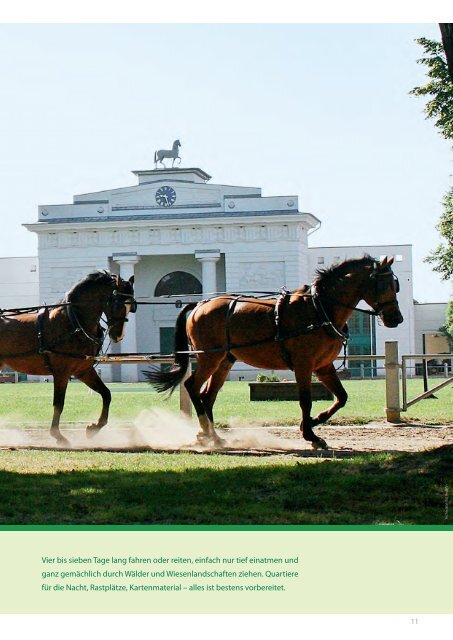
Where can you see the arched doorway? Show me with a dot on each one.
(177, 282)
(174, 283)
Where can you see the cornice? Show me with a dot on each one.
(307, 219)
(148, 239)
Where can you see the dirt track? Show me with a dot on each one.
(181, 435)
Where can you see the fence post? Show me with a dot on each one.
(392, 383)
(185, 404)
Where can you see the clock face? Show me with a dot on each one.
(165, 196)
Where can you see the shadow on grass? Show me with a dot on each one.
(403, 488)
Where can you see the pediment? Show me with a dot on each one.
(187, 195)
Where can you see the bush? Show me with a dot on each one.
(262, 377)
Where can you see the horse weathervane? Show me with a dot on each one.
(168, 153)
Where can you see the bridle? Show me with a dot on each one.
(381, 285)
(115, 302)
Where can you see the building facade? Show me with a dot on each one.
(181, 235)
(177, 233)
(19, 282)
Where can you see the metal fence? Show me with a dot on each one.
(395, 369)
(425, 357)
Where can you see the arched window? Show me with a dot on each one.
(177, 282)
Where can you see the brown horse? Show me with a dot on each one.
(61, 340)
(303, 331)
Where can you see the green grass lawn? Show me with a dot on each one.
(25, 403)
(54, 487)
(81, 487)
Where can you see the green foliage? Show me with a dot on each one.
(439, 89)
(442, 257)
(262, 377)
(440, 108)
(447, 329)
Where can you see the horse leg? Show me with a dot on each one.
(60, 385)
(329, 377)
(213, 387)
(92, 380)
(303, 379)
(193, 385)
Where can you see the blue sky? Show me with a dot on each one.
(319, 111)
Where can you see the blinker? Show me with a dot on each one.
(382, 285)
(120, 299)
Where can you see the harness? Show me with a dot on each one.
(324, 321)
(230, 311)
(279, 336)
(45, 349)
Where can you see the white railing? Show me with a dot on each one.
(392, 367)
(427, 392)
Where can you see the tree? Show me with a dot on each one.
(439, 61)
(439, 88)
(447, 329)
(440, 108)
(442, 256)
(446, 30)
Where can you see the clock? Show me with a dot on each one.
(165, 196)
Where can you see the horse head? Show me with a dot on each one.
(120, 303)
(101, 293)
(382, 287)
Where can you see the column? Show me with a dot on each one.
(129, 372)
(208, 259)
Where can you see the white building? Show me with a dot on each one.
(368, 334)
(19, 282)
(429, 318)
(178, 233)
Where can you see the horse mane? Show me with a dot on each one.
(332, 275)
(96, 277)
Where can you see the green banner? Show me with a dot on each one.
(361, 572)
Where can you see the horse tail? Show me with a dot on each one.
(155, 157)
(169, 380)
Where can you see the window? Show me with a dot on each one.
(178, 282)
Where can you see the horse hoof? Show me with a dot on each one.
(319, 444)
(92, 430)
(207, 440)
(63, 442)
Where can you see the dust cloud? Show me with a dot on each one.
(156, 429)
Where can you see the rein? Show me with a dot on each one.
(77, 329)
(44, 349)
(317, 300)
(278, 337)
(23, 310)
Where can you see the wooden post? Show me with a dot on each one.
(425, 366)
(392, 383)
(185, 403)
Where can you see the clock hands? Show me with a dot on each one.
(165, 197)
